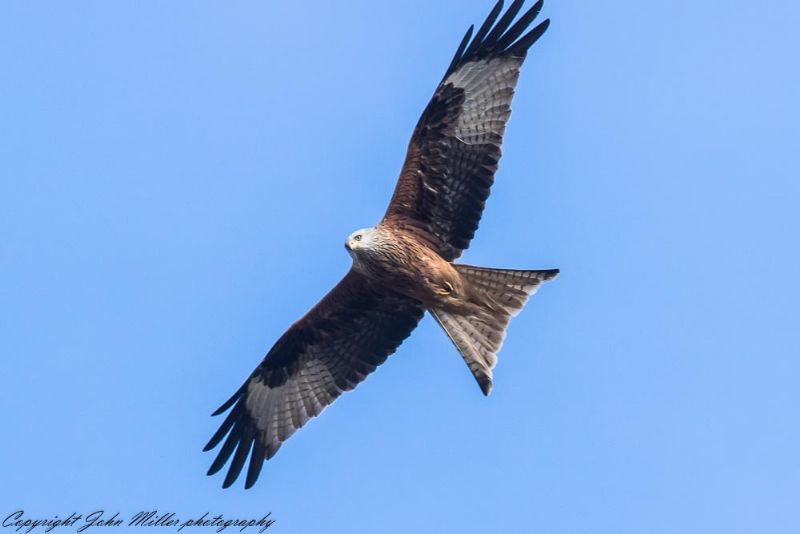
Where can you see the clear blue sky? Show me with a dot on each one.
(177, 180)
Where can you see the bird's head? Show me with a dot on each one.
(360, 241)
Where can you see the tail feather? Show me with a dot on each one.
(478, 337)
(508, 287)
(479, 352)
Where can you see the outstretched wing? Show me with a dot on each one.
(330, 350)
(453, 153)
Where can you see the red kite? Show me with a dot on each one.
(404, 266)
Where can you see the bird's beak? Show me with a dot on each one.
(347, 245)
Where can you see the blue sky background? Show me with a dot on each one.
(177, 180)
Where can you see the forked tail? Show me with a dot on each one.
(478, 337)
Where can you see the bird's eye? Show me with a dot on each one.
(357, 237)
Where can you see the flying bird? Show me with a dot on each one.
(403, 266)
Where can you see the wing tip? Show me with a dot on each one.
(495, 38)
(254, 469)
(236, 450)
(520, 47)
(214, 468)
(230, 402)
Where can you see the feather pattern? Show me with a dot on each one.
(479, 337)
(455, 149)
(329, 351)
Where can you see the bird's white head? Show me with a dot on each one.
(360, 240)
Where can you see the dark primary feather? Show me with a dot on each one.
(516, 30)
(477, 42)
(503, 24)
(454, 151)
(459, 52)
(330, 350)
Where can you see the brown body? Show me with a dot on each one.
(398, 260)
